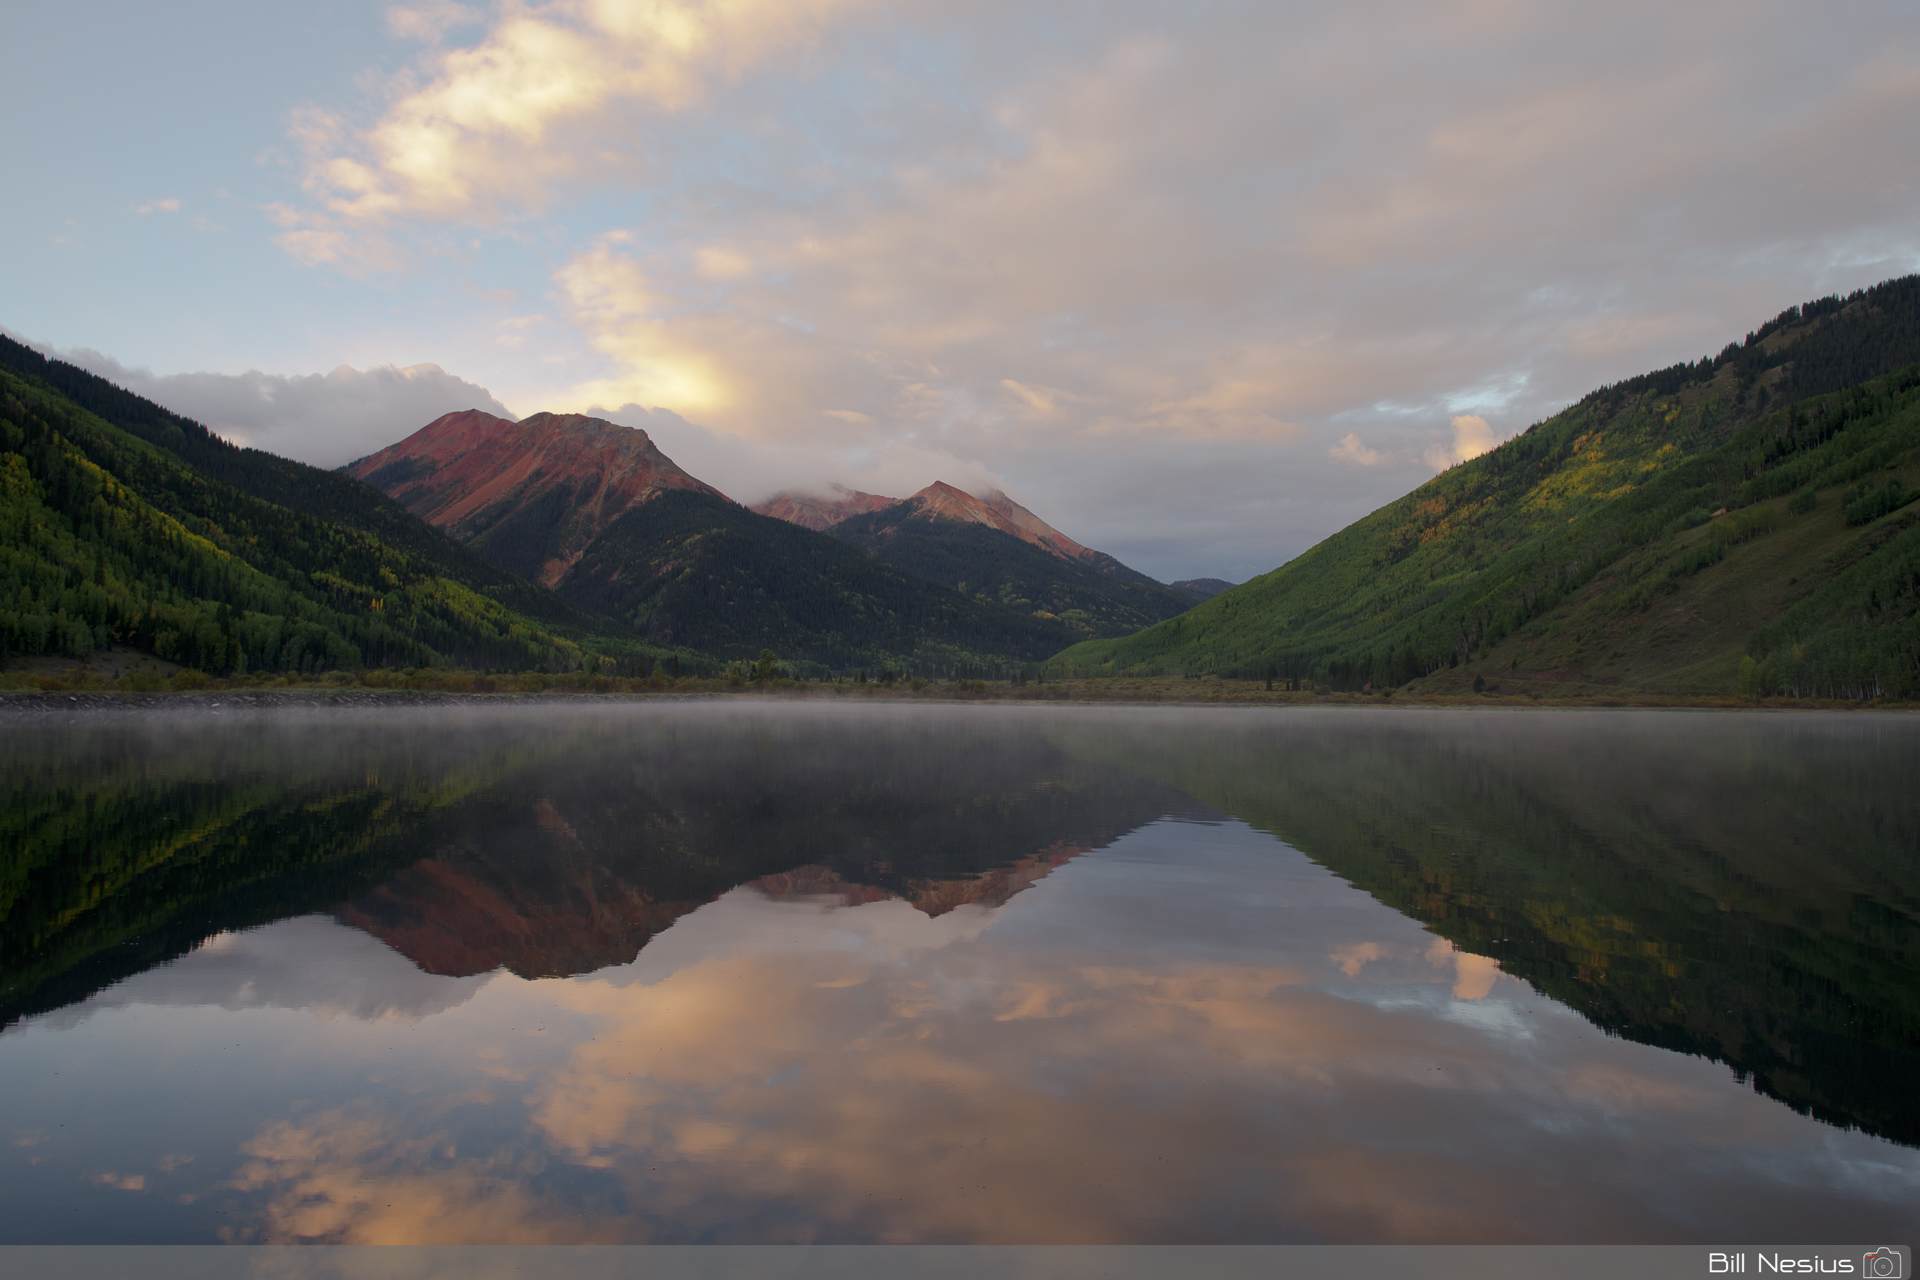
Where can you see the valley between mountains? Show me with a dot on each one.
(1740, 524)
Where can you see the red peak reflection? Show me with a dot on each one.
(991, 888)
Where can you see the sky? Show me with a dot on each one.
(1199, 283)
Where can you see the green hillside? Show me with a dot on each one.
(994, 567)
(689, 568)
(111, 538)
(1736, 523)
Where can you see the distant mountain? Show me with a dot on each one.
(1740, 523)
(597, 512)
(817, 511)
(993, 549)
(131, 525)
(941, 501)
(529, 495)
(1202, 588)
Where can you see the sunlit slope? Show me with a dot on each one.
(1586, 554)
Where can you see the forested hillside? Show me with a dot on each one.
(694, 569)
(1738, 523)
(112, 538)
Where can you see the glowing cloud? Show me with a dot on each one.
(1351, 450)
(1471, 438)
(473, 133)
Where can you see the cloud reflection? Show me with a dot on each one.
(794, 1071)
(309, 963)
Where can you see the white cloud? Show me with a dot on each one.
(482, 132)
(326, 419)
(169, 205)
(1351, 450)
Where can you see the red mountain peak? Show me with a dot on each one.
(996, 510)
(467, 472)
(818, 511)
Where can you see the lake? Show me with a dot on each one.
(740, 972)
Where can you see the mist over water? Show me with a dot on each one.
(742, 972)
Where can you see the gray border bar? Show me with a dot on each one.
(944, 1262)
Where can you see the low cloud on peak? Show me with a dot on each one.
(327, 419)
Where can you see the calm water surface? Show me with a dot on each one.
(743, 973)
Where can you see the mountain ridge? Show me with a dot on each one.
(531, 494)
(599, 514)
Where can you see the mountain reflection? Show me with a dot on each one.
(769, 930)
(546, 845)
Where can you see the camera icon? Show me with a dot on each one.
(1882, 1264)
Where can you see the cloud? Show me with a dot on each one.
(476, 133)
(749, 470)
(1351, 450)
(431, 20)
(1471, 438)
(158, 206)
(308, 963)
(327, 419)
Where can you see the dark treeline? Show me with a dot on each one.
(1835, 343)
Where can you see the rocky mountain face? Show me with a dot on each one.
(992, 887)
(530, 495)
(818, 511)
(938, 501)
(941, 501)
